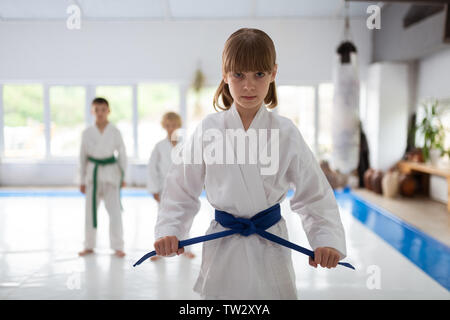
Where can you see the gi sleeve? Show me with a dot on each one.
(314, 198)
(154, 177)
(122, 155)
(183, 186)
(83, 159)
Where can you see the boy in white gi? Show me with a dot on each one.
(102, 173)
(161, 160)
(245, 265)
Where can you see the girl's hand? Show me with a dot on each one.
(123, 184)
(167, 246)
(325, 256)
(156, 196)
(83, 188)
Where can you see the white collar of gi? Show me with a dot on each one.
(169, 142)
(104, 129)
(262, 111)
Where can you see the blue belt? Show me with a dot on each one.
(256, 224)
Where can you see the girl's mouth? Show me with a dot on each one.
(249, 97)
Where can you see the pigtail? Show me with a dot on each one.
(271, 99)
(227, 100)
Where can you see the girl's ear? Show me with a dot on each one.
(274, 73)
(224, 77)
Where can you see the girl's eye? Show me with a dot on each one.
(238, 75)
(260, 74)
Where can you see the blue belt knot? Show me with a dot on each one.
(256, 224)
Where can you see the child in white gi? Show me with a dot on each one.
(101, 174)
(161, 160)
(247, 266)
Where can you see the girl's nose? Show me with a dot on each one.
(248, 84)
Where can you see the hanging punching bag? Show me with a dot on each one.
(345, 114)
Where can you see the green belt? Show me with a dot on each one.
(101, 162)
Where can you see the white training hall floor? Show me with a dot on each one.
(40, 237)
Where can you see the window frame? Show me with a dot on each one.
(91, 87)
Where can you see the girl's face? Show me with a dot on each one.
(170, 126)
(101, 112)
(249, 89)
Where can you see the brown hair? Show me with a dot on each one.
(247, 50)
(171, 116)
(100, 100)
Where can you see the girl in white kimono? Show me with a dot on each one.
(101, 174)
(240, 266)
(161, 160)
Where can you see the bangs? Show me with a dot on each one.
(248, 51)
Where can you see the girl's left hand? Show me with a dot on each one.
(326, 257)
(123, 184)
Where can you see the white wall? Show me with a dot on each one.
(434, 76)
(393, 42)
(46, 173)
(131, 52)
(433, 81)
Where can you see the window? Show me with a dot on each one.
(198, 106)
(153, 101)
(23, 116)
(67, 109)
(120, 100)
(297, 104)
(325, 143)
(445, 119)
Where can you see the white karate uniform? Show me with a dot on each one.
(239, 267)
(100, 146)
(159, 165)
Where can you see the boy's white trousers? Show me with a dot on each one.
(110, 195)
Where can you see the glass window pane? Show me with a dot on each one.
(153, 101)
(297, 104)
(120, 100)
(198, 106)
(67, 105)
(326, 91)
(445, 119)
(24, 130)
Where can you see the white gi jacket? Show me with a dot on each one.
(102, 145)
(239, 267)
(158, 165)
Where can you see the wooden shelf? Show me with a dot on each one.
(408, 167)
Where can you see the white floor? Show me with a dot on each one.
(40, 238)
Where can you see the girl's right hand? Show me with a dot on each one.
(156, 196)
(83, 188)
(167, 246)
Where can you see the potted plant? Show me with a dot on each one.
(433, 134)
(197, 86)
